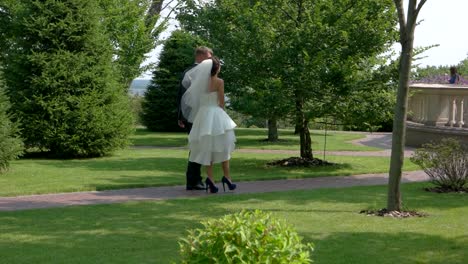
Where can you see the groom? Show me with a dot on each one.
(193, 174)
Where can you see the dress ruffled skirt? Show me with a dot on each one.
(212, 138)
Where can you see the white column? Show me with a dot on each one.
(461, 113)
(453, 112)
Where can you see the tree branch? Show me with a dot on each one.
(172, 9)
(352, 4)
(154, 10)
(167, 5)
(413, 15)
(401, 19)
(420, 5)
(288, 15)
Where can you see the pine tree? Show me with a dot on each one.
(11, 145)
(159, 107)
(61, 81)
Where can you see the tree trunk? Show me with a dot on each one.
(302, 123)
(296, 129)
(272, 129)
(399, 131)
(306, 142)
(154, 10)
(407, 27)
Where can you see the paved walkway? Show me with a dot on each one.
(160, 193)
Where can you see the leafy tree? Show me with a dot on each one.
(407, 26)
(371, 101)
(439, 74)
(131, 26)
(159, 106)
(312, 49)
(61, 81)
(254, 88)
(462, 67)
(11, 145)
(430, 71)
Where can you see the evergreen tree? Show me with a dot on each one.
(159, 107)
(10, 144)
(60, 79)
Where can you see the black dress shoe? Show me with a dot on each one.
(198, 186)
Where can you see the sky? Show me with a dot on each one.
(442, 22)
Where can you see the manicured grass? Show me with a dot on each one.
(253, 138)
(148, 232)
(158, 167)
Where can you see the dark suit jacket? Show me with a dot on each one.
(182, 90)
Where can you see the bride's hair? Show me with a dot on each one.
(216, 65)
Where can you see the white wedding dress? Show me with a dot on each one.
(212, 138)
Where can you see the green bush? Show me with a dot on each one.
(11, 145)
(446, 163)
(245, 237)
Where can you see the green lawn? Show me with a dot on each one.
(147, 232)
(158, 167)
(253, 138)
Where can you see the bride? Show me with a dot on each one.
(212, 138)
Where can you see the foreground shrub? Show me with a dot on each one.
(446, 163)
(245, 237)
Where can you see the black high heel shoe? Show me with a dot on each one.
(209, 184)
(230, 185)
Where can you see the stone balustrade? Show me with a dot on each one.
(436, 111)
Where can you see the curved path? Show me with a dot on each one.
(159, 193)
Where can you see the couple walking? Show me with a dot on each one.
(211, 130)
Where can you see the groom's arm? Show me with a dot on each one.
(180, 117)
(184, 84)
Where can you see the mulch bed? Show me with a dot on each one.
(300, 162)
(395, 214)
(444, 190)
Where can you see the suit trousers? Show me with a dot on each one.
(193, 174)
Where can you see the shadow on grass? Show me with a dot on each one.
(169, 164)
(171, 171)
(244, 168)
(384, 248)
(160, 141)
(131, 182)
(148, 232)
(370, 197)
(246, 138)
(121, 233)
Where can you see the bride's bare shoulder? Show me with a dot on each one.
(217, 83)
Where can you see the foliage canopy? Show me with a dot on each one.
(61, 80)
(305, 59)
